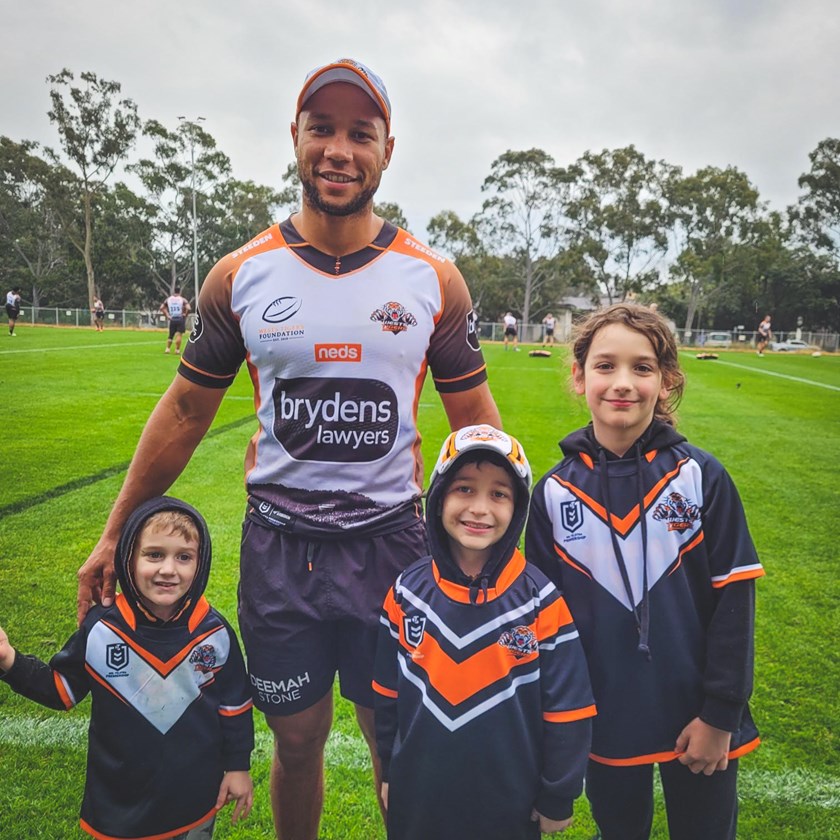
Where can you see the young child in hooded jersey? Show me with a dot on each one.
(171, 728)
(483, 705)
(646, 537)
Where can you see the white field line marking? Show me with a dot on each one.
(788, 787)
(775, 373)
(125, 344)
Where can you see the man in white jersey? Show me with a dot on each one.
(338, 315)
(176, 308)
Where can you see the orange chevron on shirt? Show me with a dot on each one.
(624, 524)
(457, 681)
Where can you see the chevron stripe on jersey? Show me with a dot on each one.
(673, 522)
(459, 673)
(127, 670)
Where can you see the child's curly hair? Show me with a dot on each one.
(655, 328)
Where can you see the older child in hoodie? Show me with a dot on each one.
(171, 730)
(646, 536)
(483, 703)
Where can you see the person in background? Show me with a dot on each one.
(176, 308)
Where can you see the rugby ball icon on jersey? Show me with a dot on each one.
(281, 309)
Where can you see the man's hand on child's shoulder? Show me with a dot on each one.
(548, 826)
(7, 652)
(703, 747)
(237, 787)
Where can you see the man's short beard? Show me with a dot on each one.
(314, 199)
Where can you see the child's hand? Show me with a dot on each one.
(237, 786)
(548, 826)
(383, 792)
(7, 652)
(704, 748)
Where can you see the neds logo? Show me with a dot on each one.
(338, 352)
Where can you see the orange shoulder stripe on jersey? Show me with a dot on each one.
(456, 681)
(572, 714)
(748, 574)
(163, 668)
(404, 243)
(566, 559)
(698, 538)
(552, 618)
(125, 611)
(391, 608)
(623, 525)
(62, 691)
(202, 607)
(385, 692)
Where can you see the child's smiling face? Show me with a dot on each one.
(477, 509)
(622, 382)
(165, 564)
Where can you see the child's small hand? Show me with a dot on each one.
(704, 748)
(7, 652)
(236, 786)
(383, 792)
(548, 826)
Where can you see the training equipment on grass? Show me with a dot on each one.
(539, 352)
(707, 355)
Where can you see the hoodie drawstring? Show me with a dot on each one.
(642, 613)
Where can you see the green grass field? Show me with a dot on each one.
(74, 403)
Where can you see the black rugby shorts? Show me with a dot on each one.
(309, 609)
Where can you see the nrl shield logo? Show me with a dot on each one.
(414, 626)
(571, 515)
(116, 656)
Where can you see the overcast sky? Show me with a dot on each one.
(749, 83)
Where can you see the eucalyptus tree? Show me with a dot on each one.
(183, 160)
(32, 250)
(518, 222)
(819, 206)
(713, 211)
(96, 130)
(615, 205)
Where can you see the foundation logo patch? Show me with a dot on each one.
(394, 317)
(520, 641)
(116, 656)
(414, 626)
(677, 512)
(204, 658)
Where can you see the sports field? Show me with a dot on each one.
(74, 403)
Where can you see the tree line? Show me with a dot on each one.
(614, 224)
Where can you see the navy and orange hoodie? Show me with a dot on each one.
(483, 705)
(170, 702)
(653, 555)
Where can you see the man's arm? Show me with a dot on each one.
(172, 432)
(465, 408)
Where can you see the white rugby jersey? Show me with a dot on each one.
(177, 306)
(338, 351)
